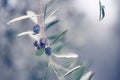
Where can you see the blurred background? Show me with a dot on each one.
(97, 43)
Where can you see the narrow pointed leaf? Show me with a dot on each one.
(39, 52)
(102, 11)
(25, 33)
(66, 55)
(52, 36)
(87, 76)
(30, 34)
(51, 19)
(58, 47)
(79, 73)
(59, 37)
(70, 71)
(51, 14)
(34, 17)
(48, 6)
(51, 24)
(18, 19)
(21, 18)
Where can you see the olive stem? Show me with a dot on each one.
(41, 21)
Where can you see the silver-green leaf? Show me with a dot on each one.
(51, 24)
(102, 11)
(58, 47)
(66, 55)
(51, 15)
(59, 37)
(79, 73)
(52, 36)
(21, 18)
(49, 6)
(39, 52)
(87, 76)
(34, 19)
(70, 71)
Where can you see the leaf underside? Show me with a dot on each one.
(70, 71)
(49, 6)
(87, 76)
(66, 55)
(21, 18)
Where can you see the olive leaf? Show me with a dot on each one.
(21, 18)
(34, 19)
(51, 15)
(40, 52)
(30, 34)
(51, 19)
(102, 11)
(87, 76)
(58, 47)
(48, 6)
(46, 72)
(60, 69)
(52, 36)
(25, 33)
(51, 24)
(79, 73)
(70, 71)
(66, 55)
(18, 19)
(59, 37)
(69, 63)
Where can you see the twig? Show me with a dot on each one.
(41, 20)
(40, 6)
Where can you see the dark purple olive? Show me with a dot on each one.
(48, 51)
(36, 29)
(38, 47)
(43, 42)
(35, 43)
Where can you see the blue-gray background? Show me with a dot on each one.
(96, 42)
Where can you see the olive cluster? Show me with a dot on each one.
(42, 43)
